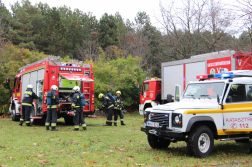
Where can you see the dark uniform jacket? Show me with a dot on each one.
(76, 101)
(119, 103)
(54, 100)
(29, 95)
(107, 102)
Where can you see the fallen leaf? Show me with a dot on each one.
(4, 165)
(89, 162)
(42, 161)
(35, 144)
(40, 155)
(157, 159)
(83, 152)
(111, 151)
(96, 155)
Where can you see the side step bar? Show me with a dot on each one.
(236, 138)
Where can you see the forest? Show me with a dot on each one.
(123, 52)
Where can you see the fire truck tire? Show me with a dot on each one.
(13, 115)
(68, 120)
(200, 141)
(157, 142)
(33, 122)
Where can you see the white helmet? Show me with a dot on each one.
(76, 88)
(30, 86)
(54, 87)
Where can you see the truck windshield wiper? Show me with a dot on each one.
(190, 95)
(205, 96)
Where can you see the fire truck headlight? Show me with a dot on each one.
(176, 120)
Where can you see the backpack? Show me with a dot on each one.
(49, 98)
(82, 96)
(111, 97)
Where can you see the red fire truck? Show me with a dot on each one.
(177, 74)
(42, 75)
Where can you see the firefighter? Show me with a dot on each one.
(27, 100)
(52, 109)
(118, 108)
(109, 105)
(76, 105)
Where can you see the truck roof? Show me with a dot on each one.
(53, 60)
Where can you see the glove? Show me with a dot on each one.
(72, 113)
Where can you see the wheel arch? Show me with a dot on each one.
(202, 120)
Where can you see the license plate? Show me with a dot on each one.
(152, 124)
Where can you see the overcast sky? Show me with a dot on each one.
(127, 8)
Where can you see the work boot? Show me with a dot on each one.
(84, 128)
(115, 124)
(76, 129)
(122, 123)
(108, 123)
(28, 124)
(47, 127)
(20, 123)
(53, 128)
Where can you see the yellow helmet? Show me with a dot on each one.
(118, 92)
(100, 96)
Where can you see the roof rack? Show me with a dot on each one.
(53, 60)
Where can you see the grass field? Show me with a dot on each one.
(103, 146)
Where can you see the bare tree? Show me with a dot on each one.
(194, 27)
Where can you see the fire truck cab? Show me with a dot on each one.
(45, 73)
(150, 94)
(218, 106)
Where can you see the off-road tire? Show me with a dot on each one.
(200, 136)
(157, 142)
(14, 117)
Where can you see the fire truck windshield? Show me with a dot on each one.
(204, 90)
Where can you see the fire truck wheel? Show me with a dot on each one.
(32, 115)
(68, 120)
(157, 142)
(13, 115)
(200, 141)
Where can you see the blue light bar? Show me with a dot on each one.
(63, 64)
(223, 75)
(73, 65)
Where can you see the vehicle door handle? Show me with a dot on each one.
(250, 113)
(147, 96)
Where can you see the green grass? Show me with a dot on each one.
(103, 146)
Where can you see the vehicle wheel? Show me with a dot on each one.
(68, 120)
(200, 141)
(32, 121)
(13, 115)
(157, 142)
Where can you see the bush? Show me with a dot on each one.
(121, 74)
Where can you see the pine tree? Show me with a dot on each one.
(108, 31)
(22, 23)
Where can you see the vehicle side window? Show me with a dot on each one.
(15, 83)
(237, 93)
(146, 87)
(249, 92)
(18, 83)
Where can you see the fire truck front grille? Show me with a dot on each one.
(161, 118)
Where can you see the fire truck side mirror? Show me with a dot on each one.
(169, 98)
(7, 84)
